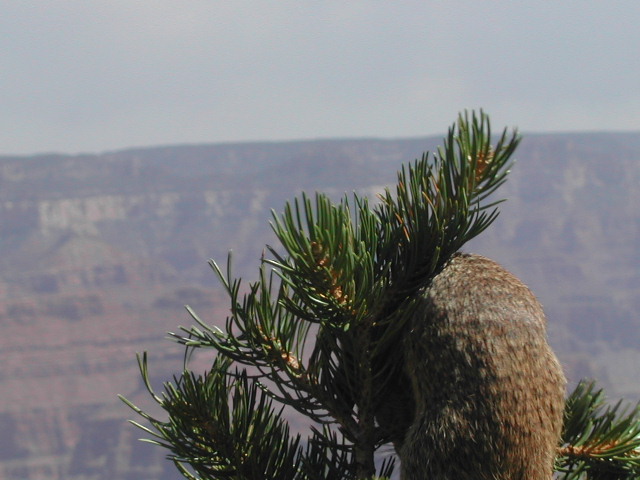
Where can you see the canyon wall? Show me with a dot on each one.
(99, 254)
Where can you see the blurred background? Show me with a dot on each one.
(139, 139)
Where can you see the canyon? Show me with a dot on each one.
(99, 253)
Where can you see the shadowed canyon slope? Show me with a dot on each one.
(99, 253)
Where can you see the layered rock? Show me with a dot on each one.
(98, 253)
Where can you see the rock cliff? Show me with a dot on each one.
(98, 254)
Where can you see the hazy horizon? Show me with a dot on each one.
(304, 140)
(90, 76)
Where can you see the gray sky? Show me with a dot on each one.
(89, 76)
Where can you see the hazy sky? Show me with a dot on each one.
(89, 76)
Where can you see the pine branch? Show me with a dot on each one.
(222, 426)
(599, 441)
(439, 203)
(320, 332)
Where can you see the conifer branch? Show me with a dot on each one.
(599, 441)
(319, 332)
(221, 426)
(342, 291)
